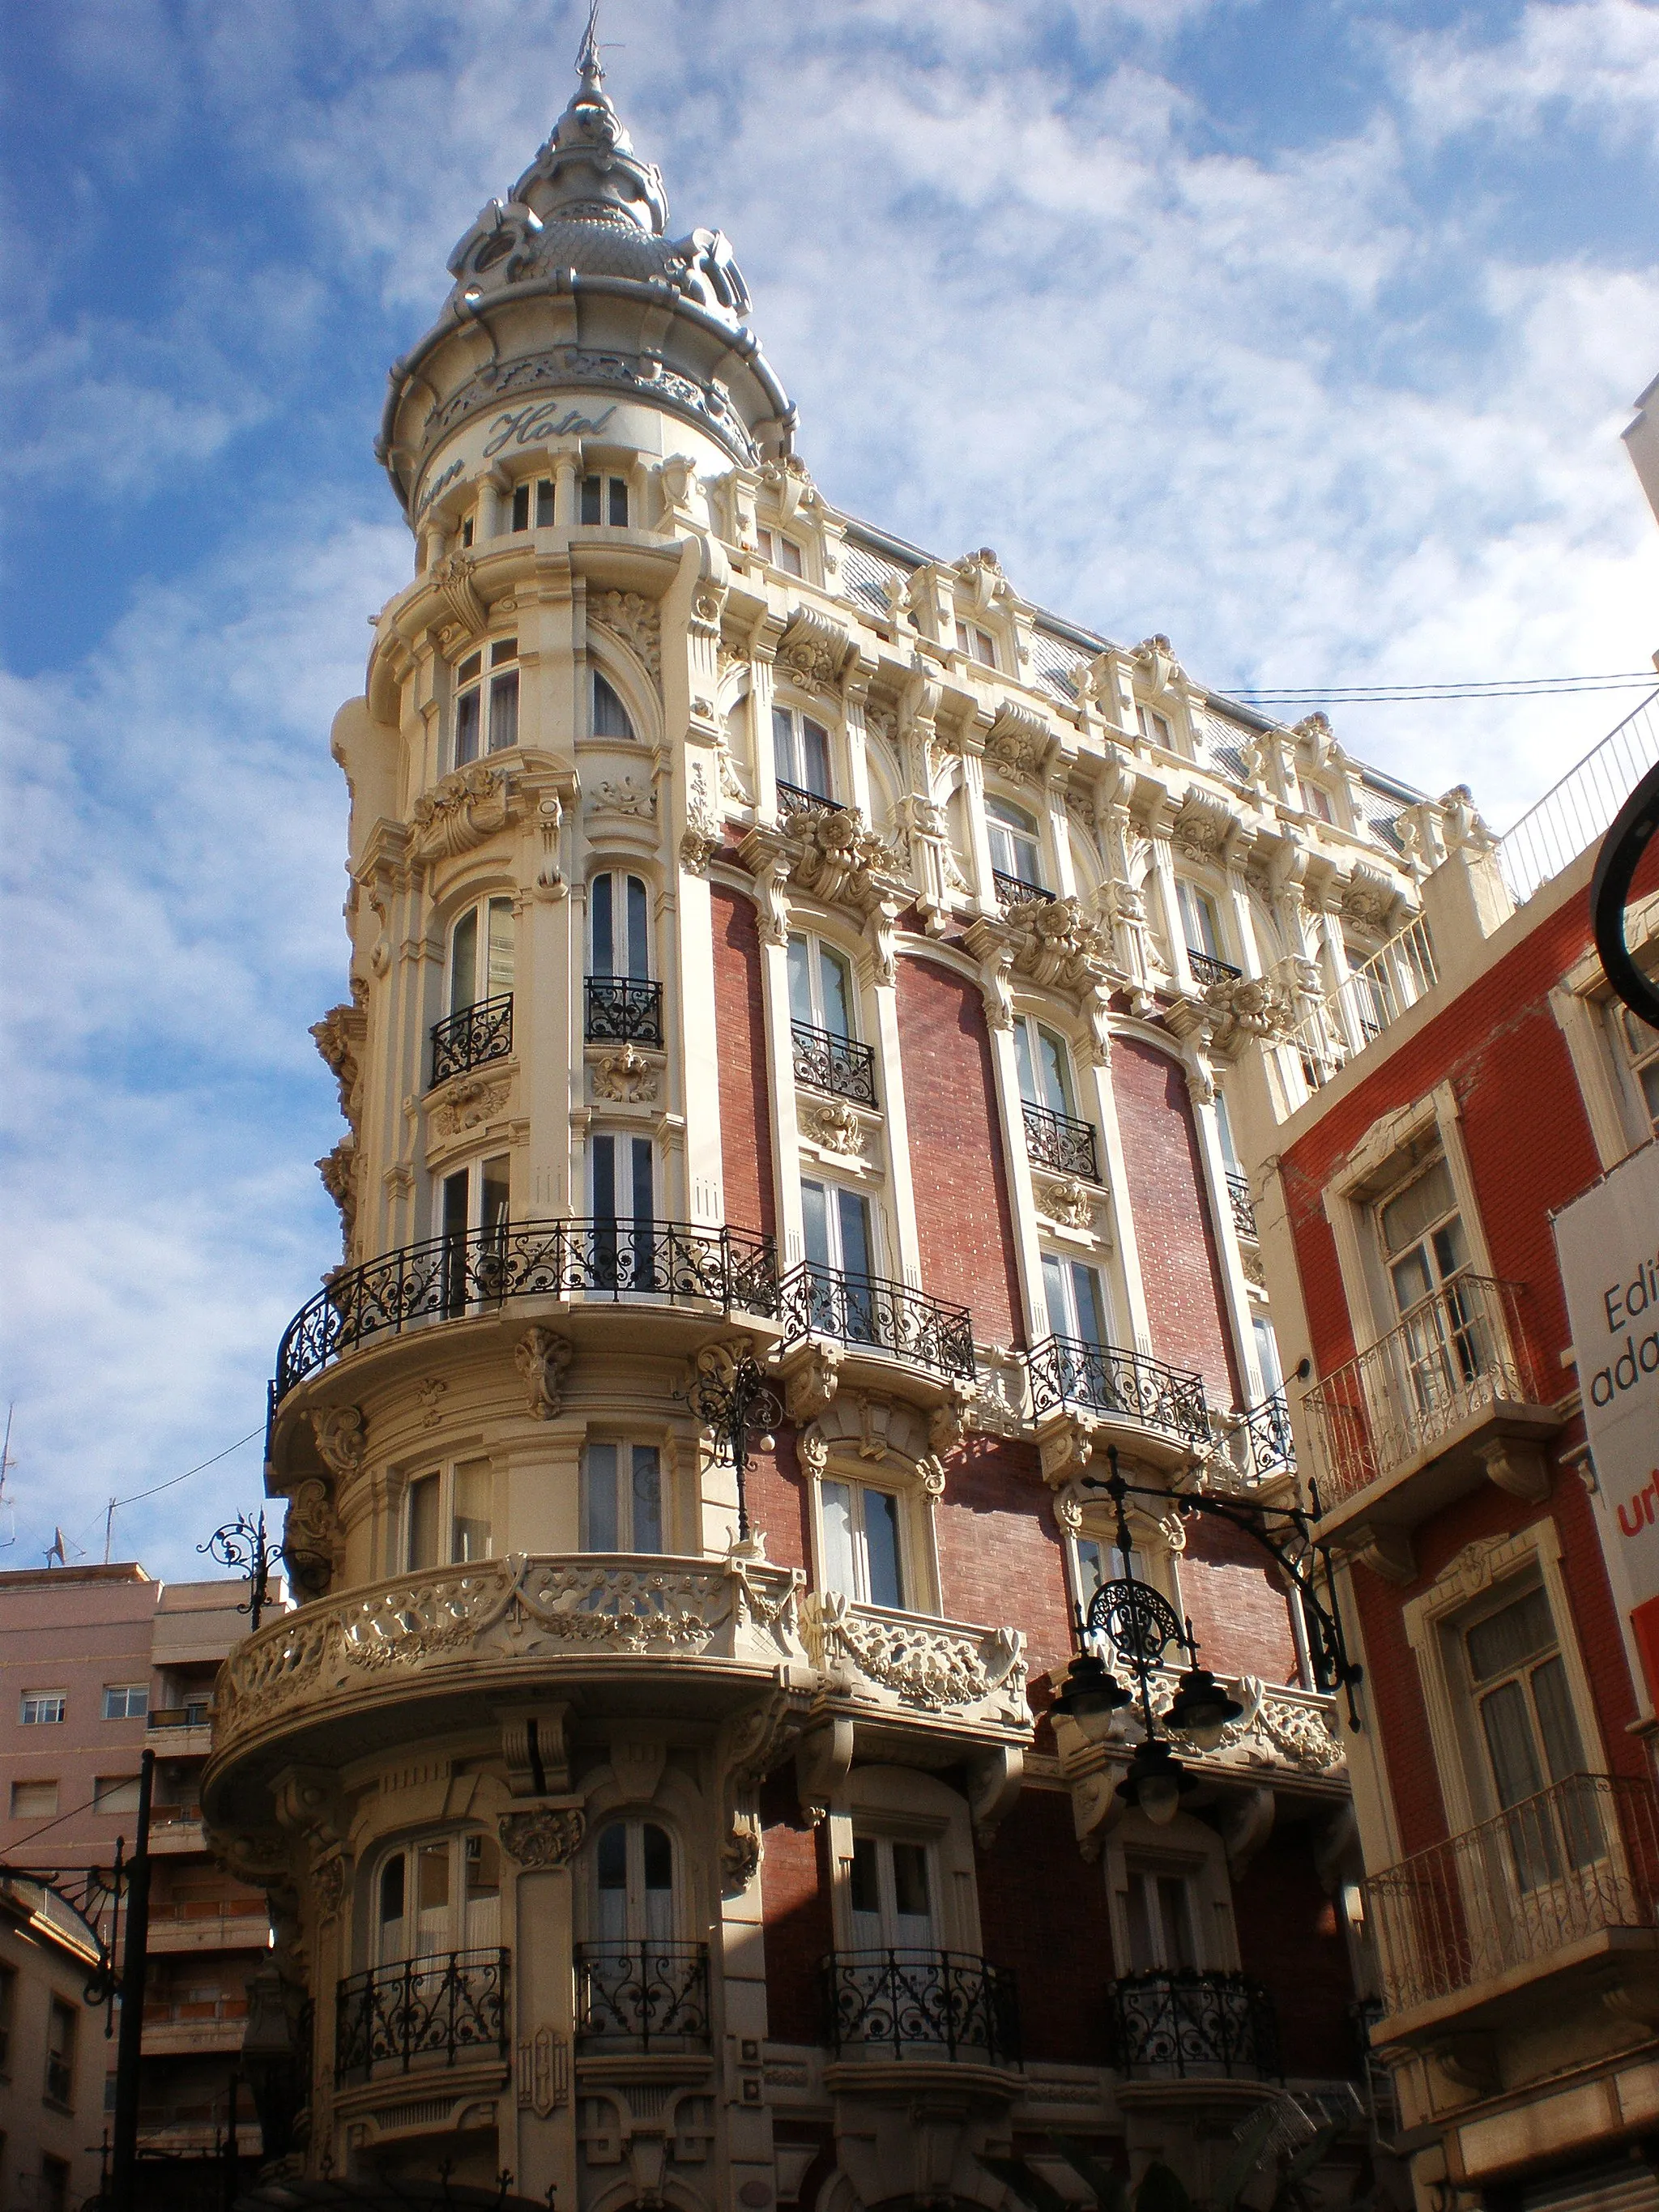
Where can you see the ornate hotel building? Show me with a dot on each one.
(772, 942)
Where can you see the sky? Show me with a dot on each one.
(1301, 331)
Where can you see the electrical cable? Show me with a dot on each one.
(1514, 687)
(172, 1480)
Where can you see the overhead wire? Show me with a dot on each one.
(1514, 687)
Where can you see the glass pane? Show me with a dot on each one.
(483, 1866)
(801, 1008)
(456, 1193)
(1510, 1744)
(522, 507)
(864, 1885)
(494, 1210)
(911, 1899)
(1175, 1919)
(424, 1522)
(504, 711)
(610, 1875)
(789, 557)
(463, 963)
(618, 503)
(647, 1500)
(593, 493)
(610, 718)
(470, 1529)
(639, 966)
(1225, 1130)
(1557, 1723)
(1503, 1640)
(1028, 1082)
(835, 982)
(659, 1858)
(1056, 1083)
(499, 980)
(466, 727)
(1090, 1569)
(602, 928)
(505, 648)
(599, 1503)
(1142, 1950)
(836, 1499)
(605, 1179)
(642, 1192)
(815, 756)
(785, 764)
(854, 1223)
(1428, 1200)
(391, 1889)
(1053, 1292)
(1090, 1317)
(1411, 1281)
(1267, 1355)
(815, 1224)
(433, 1877)
(881, 1540)
(544, 503)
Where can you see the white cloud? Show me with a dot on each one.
(1593, 65)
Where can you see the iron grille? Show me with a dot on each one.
(794, 799)
(642, 1994)
(1014, 890)
(1057, 1141)
(447, 1277)
(1064, 1371)
(917, 2004)
(1267, 1436)
(863, 1310)
(443, 2006)
(623, 1009)
(471, 1038)
(1207, 970)
(1238, 1191)
(1186, 2023)
(835, 1064)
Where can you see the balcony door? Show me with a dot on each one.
(1076, 1298)
(480, 955)
(619, 928)
(473, 1211)
(438, 1897)
(1045, 1077)
(1159, 1910)
(820, 987)
(633, 1883)
(623, 1196)
(891, 1896)
(835, 1233)
(1444, 1333)
(801, 753)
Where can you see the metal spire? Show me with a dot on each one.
(589, 67)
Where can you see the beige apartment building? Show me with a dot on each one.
(98, 1663)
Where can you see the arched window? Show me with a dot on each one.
(487, 708)
(435, 1896)
(633, 1883)
(610, 717)
(1045, 1070)
(864, 1541)
(481, 954)
(800, 757)
(1016, 854)
(619, 927)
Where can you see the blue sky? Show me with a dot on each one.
(1302, 331)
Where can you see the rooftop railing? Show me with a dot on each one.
(1462, 1348)
(1366, 1002)
(1578, 1859)
(449, 1278)
(1573, 813)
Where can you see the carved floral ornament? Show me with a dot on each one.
(468, 1104)
(636, 620)
(813, 650)
(853, 1426)
(1019, 745)
(460, 810)
(545, 1836)
(835, 1126)
(626, 1076)
(541, 1356)
(625, 797)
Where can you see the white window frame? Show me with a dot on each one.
(625, 1444)
(789, 727)
(1024, 827)
(619, 880)
(775, 548)
(977, 643)
(59, 1699)
(909, 1806)
(859, 1486)
(1065, 1262)
(534, 496)
(1188, 1849)
(480, 1186)
(634, 1820)
(445, 1476)
(127, 1692)
(628, 1136)
(489, 673)
(609, 491)
(455, 1843)
(1580, 1003)
(1197, 904)
(1031, 1031)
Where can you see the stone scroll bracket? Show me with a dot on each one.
(534, 1748)
(994, 1777)
(823, 1759)
(750, 1744)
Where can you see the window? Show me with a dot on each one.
(1076, 1300)
(60, 2053)
(836, 1225)
(43, 1708)
(535, 498)
(1200, 924)
(437, 1897)
(1045, 1077)
(486, 712)
(801, 752)
(1422, 1233)
(1015, 852)
(622, 1497)
(54, 2183)
(126, 1701)
(623, 1182)
(1529, 1736)
(115, 1793)
(475, 1198)
(33, 1801)
(467, 531)
(481, 954)
(1639, 1051)
(1267, 1355)
(449, 1516)
(779, 551)
(605, 500)
(8, 2011)
(863, 1551)
(1156, 728)
(633, 1883)
(978, 644)
(610, 718)
(820, 986)
(619, 927)
(1161, 1920)
(1317, 800)
(890, 1895)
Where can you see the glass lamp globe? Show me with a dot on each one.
(1090, 1695)
(1201, 1711)
(1156, 1783)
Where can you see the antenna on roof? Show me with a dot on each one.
(8, 1505)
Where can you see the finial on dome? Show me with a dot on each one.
(589, 67)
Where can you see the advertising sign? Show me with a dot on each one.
(1608, 1244)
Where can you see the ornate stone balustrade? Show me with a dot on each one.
(909, 1664)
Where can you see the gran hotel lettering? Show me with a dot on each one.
(539, 420)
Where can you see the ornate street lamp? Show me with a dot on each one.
(730, 1395)
(242, 1546)
(1142, 1625)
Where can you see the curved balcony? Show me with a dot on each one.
(867, 1313)
(1012, 891)
(452, 1278)
(920, 2004)
(642, 1997)
(1178, 2024)
(623, 1010)
(1148, 1402)
(471, 1038)
(1208, 971)
(421, 2012)
(1269, 1445)
(434, 1647)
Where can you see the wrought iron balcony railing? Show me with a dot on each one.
(1464, 1348)
(450, 1277)
(1103, 1378)
(471, 1038)
(863, 1310)
(1014, 890)
(835, 1064)
(642, 1996)
(1575, 1861)
(795, 799)
(1184, 2022)
(623, 1009)
(1207, 970)
(916, 2004)
(449, 2006)
(1267, 1437)
(1057, 1141)
(1238, 1194)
